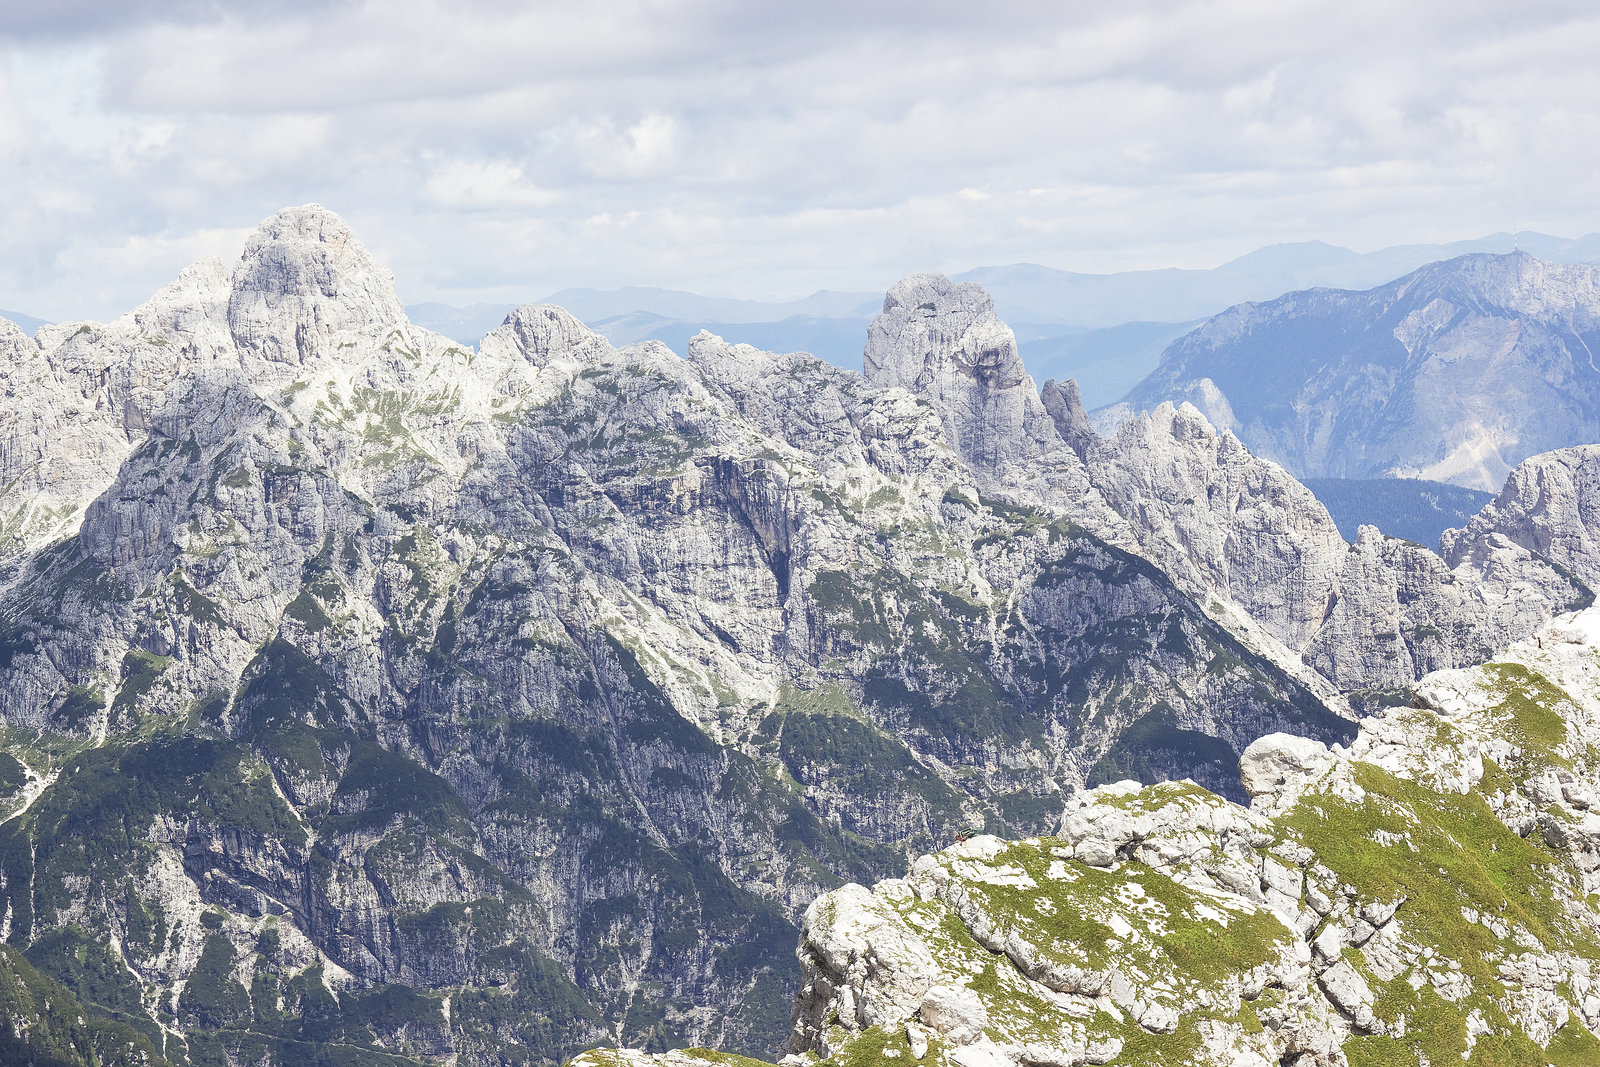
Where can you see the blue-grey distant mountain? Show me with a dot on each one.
(1408, 508)
(1455, 372)
(28, 323)
(829, 325)
(834, 340)
(592, 305)
(1107, 362)
(1025, 292)
(468, 325)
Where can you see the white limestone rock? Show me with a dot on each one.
(1222, 521)
(944, 342)
(304, 277)
(1550, 505)
(1277, 770)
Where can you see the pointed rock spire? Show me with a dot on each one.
(1065, 405)
(944, 342)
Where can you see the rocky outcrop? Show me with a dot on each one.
(1065, 405)
(1223, 521)
(1400, 611)
(1550, 505)
(944, 342)
(1425, 895)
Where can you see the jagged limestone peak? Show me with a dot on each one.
(1550, 505)
(1065, 404)
(303, 277)
(944, 342)
(543, 333)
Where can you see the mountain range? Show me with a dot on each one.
(1107, 331)
(369, 697)
(1455, 372)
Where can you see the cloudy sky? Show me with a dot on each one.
(490, 150)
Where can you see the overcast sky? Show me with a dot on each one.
(499, 151)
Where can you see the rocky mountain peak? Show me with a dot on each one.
(927, 321)
(944, 342)
(542, 333)
(304, 277)
(1065, 404)
(1550, 505)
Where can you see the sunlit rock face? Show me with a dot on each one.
(944, 342)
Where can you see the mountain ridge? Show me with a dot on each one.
(372, 691)
(1455, 372)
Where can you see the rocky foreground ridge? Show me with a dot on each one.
(369, 697)
(1426, 895)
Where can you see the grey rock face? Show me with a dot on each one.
(304, 278)
(1455, 372)
(1065, 405)
(1550, 505)
(1222, 520)
(1379, 613)
(943, 341)
(548, 682)
(1401, 611)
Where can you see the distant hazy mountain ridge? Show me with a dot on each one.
(1105, 330)
(1455, 372)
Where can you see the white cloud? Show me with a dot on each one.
(477, 185)
(504, 150)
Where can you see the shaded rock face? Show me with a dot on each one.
(366, 690)
(1456, 372)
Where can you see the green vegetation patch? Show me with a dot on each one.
(1534, 707)
(140, 671)
(212, 997)
(1447, 854)
(43, 1023)
(1177, 934)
